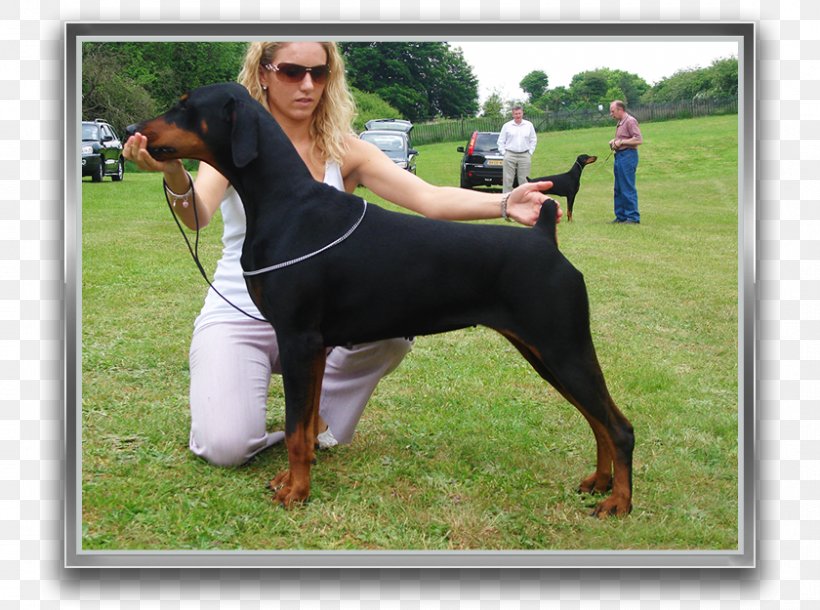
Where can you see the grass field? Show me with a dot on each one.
(464, 446)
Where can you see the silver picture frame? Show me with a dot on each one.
(743, 34)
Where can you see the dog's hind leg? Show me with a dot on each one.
(582, 383)
(579, 379)
(303, 365)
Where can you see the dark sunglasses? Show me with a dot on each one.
(294, 73)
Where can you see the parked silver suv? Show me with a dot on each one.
(392, 137)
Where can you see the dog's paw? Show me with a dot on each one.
(289, 497)
(287, 494)
(280, 480)
(596, 484)
(612, 507)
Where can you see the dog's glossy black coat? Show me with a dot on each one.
(569, 183)
(396, 275)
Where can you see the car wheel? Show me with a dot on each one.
(465, 184)
(98, 174)
(120, 171)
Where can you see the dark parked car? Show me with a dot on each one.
(101, 151)
(482, 164)
(392, 137)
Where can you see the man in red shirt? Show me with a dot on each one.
(625, 144)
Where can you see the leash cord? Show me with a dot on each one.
(195, 250)
(312, 254)
(611, 152)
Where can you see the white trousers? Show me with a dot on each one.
(231, 364)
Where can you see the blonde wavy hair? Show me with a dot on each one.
(333, 118)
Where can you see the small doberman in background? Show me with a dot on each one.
(568, 184)
(326, 269)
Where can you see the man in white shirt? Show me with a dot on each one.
(517, 143)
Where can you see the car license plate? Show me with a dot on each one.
(495, 162)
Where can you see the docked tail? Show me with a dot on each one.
(548, 220)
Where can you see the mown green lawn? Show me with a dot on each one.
(464, 446)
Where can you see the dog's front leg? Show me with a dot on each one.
(303, 365)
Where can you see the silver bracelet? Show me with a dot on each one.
(504, 198)
(185, 197)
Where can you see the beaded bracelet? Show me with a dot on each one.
(184, 198)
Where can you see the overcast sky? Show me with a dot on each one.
(501, 65)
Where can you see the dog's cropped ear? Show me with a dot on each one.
(244, 133)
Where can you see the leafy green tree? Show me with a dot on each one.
(134, 80)
(371, 106)
(718, 80)
(588, 88)
(178, 67)
(109, 94)
(420, 79)
(682, 85)
(454, 86)
(723, 77)
(412, 103)
(631, 86)
(614, 93)
(601, 86)
(535, 84)
(493, 106)
(556, 99)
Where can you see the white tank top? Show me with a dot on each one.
(228, 278)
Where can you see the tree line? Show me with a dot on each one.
(592, 88)
(123, 82)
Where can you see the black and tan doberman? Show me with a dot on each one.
(569, 183)
(360, 273)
